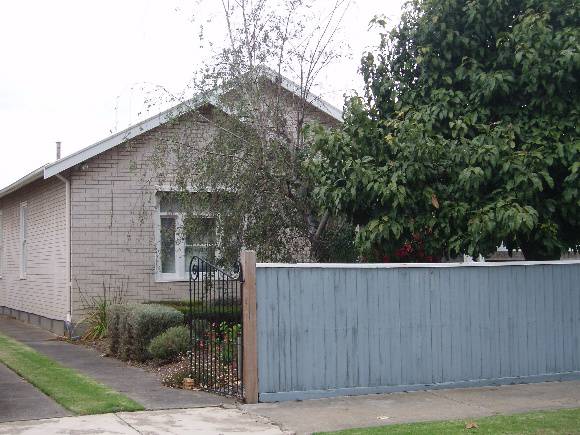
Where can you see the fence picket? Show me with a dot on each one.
(350, 329)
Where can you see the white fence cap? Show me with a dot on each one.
(412, 265)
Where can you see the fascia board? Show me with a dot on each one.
(27, 179)
(118, 138)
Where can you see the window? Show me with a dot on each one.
(200, 241)
(23, 239)
(168, 236)
(1, 243)
(180, 237)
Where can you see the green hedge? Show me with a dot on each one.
(211, 312)
(125, 333)
(131, 327)
(170, 344)
(114, 315)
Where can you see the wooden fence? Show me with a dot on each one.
(326, 330)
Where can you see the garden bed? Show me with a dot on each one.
(155, 337)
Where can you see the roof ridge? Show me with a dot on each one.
(58, 166)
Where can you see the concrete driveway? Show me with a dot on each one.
(21, 401)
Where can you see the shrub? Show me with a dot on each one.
(95, 322)
(217, 311)
(170, 344)
(133, 326)
(229, 335)
(145, 322)
(114, 315)
(125, 333)
(200, 327)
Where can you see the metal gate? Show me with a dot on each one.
(215, 328)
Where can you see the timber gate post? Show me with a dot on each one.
(250, 331)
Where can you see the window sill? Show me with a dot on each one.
(162, 279)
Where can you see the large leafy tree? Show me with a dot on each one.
(467, 134)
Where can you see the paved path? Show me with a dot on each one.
(138, 384)
(381, 409)
(21, 401)
(182, 421)
(318, 415)
(299, 417)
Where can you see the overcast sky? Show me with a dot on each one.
(74, 70)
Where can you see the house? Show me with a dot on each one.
(93, 220)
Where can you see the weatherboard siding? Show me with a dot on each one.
(325, 331)
(44, 291)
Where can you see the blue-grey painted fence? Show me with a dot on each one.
(327, 330)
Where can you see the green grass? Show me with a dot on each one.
(72, 390)
(545, 422)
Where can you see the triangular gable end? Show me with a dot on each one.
(135, 130)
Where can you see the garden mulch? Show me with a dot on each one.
(140, 385)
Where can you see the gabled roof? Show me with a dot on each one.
(112, 141)
(120, 137)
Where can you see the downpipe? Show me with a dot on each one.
(68, 326)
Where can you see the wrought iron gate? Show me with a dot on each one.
(215, 328)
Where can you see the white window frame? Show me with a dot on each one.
(180, 272)
(178, 275)
(24, 240)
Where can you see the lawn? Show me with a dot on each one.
(545, 422)
(72, 390)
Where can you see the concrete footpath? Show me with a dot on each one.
(452, 404)
(320, 415)
(181, 421)
(136, 383)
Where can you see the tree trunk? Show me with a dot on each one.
(316, 235)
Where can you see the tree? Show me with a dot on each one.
(253, 164)
(467, 134)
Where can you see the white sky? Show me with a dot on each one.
(73, 70)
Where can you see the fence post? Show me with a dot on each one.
(250, 331)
